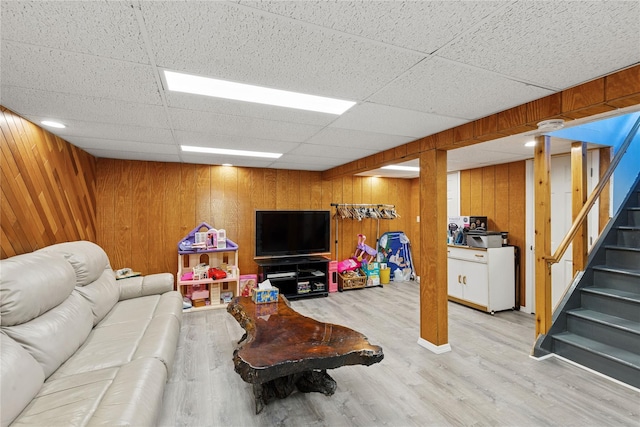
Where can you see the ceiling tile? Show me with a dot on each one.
(423, 26)
(447, 88)
(554, 44)
(240, 126)
(42, 68)
(347, 154)
(110, 131)
(129, 155)
(238, 108)
(385, 119)
(107, 29)
(41, 103)
(225, 41)
(209, 159)
(336, 137)
(121, 145)
(233, 142)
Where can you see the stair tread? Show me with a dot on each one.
(629, 227)
(630, 296)
(614, 321)
(631, 271)
(605, 350)
(623, 248)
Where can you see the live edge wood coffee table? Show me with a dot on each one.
(283, 350)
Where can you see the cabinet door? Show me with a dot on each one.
(475, 283)
(454, 271)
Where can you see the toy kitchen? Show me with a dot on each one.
(481, 265)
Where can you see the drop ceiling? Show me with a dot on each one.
(414, 68)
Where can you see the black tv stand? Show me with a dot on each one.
(298, 277)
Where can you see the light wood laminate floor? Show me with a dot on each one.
(487, 379)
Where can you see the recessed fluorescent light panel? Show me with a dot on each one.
(53, 124)
(224, 151)
(187, 83)
(402, 168)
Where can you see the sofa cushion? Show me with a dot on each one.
(140, 286)
(55, 335)
(122, 335)
(135, 397)
(69, 401)
(126, 395)
(21, 376)
(32, 284)
(102, 294)
(88, 259)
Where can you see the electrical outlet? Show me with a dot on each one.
(418, 218)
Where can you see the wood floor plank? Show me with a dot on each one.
(487, 379)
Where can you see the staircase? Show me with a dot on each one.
(597, 324)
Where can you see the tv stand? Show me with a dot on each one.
(299, 277)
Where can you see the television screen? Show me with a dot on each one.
(292, 233)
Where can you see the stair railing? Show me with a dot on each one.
(582, 215)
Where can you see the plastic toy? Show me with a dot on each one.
(364, 252)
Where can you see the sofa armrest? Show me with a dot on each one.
(153, 284)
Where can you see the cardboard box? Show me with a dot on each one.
(261, 296)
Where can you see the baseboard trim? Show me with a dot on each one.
(600, 374)
(437, 349)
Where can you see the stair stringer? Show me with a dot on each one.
(597, 256)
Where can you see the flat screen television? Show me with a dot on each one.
(289, 233)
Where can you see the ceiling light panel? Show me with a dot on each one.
(198, 85)
(227, 152)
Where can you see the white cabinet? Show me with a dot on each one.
(482, 278)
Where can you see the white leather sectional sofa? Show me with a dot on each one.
(77, 347)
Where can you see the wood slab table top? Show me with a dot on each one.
(281, 345)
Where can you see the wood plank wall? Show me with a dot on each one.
(48, 188)
(145, 208)
(498, 192)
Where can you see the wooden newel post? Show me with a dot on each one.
(542, 200)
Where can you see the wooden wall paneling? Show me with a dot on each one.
(270, 193)
(326, 195)
(517, 217)
(123, 216)
(488, 195)
(475, 189)
(304, 192)
(144, 223)
(465, 192)
(231, 202)
(501, 218)
(106, 205)
(48, 188)
(315, 192)
(14, 205)
(172, 211)
(55, 206)
(25, 186)
(245, 234)
(217, 217)
(202, 194)
(156, 220)
(282, 189)
(187, 200)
